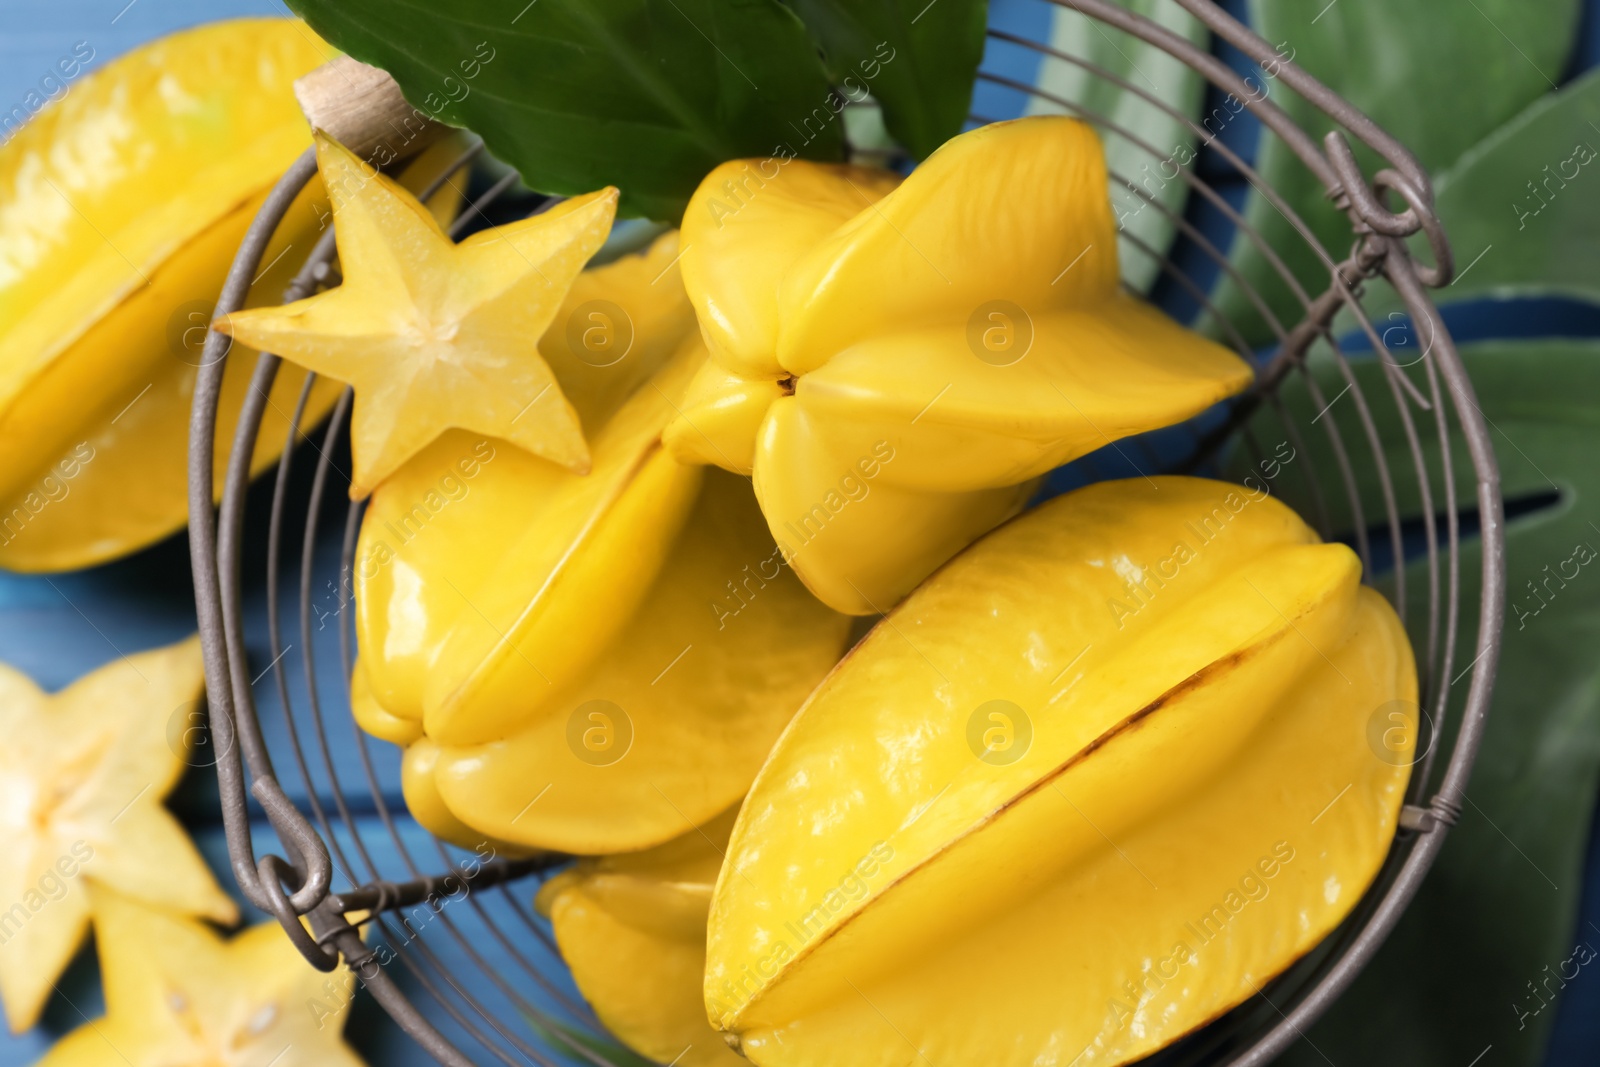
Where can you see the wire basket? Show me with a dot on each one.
(498, 996)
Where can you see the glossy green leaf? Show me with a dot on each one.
(1440, 75)
(1148, 148)
(917, 58)
(646, 95)
(1522, 208)
(1499, 909)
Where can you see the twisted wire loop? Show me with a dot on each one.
(275, 873)
(1430, 395)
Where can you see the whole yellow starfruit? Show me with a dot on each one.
(589, 663)
(632, 928)
(895, 363)
(1090, 786)
(121, 207)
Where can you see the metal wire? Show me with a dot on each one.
(340, 847)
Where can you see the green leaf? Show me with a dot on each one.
(1522, 208)
(1146, 147)
(1439, 75)
(918, 58)
(647, 95)
(1500, 906)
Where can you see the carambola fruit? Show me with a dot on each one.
(433, 334)
(1093, 784)
(632, 928)
(121, 208)
(176, 993)
(589, 663)
(83, 773)
(895, 363)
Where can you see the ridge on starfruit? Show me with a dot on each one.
(632, 929)
(82, 776)
(121, 207)
(585, 663)
(177, 993)
(431, 334)
(895, 363)
(1148, 790)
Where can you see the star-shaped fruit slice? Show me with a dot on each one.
(82, 774)
(177, 993)
(433, 334)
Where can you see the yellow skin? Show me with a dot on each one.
(82, 776)
(889, 409)
(917, 869)
(176, 993)
(121, 207)
(632, 928)
(435, 335)
(499, 594)
(416, 524)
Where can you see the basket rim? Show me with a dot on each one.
(301, 884)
